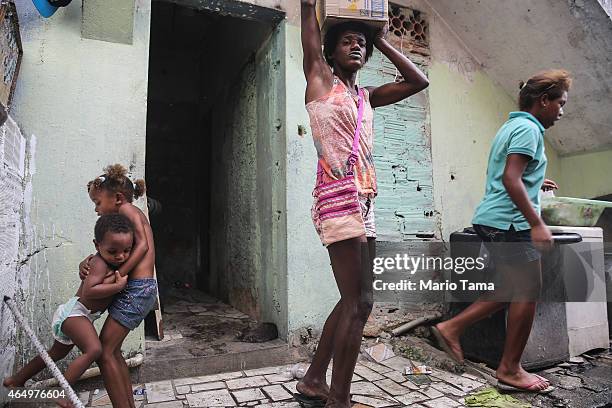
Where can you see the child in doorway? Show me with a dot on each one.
(73, 321)
(113, 192)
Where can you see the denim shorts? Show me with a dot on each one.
(134, 302)
(508, 246)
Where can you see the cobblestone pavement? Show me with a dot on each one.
(374, 385)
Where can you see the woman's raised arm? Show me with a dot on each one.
(319, 78)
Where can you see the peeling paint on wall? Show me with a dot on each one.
(13, 230)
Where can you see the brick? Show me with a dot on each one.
(397, 363)
(265, 370)
(431, 392)
(183, 389)
(207, 386)
(278, 378)
(277, 393)
(464, 384)
(247, 382)
(249, 394)
(369, 389)
(216, 398)
(171, 404)
(208, 378)
(473, 377)
(290, 386)
(374, 402)
(379, 368)
(160, 391)
(448, 389)
(411, 398)
(395, 376)
(392, 387)
(368, 374)
(443, 402)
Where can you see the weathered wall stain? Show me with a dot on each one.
(16, 239)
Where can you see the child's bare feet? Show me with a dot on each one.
(11, 382)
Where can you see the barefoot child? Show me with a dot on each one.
(73, 321)
(113, 192)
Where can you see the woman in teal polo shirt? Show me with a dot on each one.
(510, 213)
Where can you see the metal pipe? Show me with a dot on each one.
(91, 372)
(417, 322)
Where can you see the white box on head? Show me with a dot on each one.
(374, 13)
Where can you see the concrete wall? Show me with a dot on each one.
(85, 103)
(247, 224)
(586, 175)
(235, 252)
(466, 115)
(271, 179)
(15, 239)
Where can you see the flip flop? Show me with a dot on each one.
(443, 344)
(503, 386)
(308, 402)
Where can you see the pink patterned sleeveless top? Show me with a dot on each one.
(333, 119)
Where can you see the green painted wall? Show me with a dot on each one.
(271, 179)
(586, 175)
(465, 116)
(248, 244)
(235, 246)
(82, 104)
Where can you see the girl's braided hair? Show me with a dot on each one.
(115, 180)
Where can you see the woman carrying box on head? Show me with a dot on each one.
(341, 116)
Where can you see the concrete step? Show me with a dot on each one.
(272, 353)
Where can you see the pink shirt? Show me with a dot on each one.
(333, 119)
